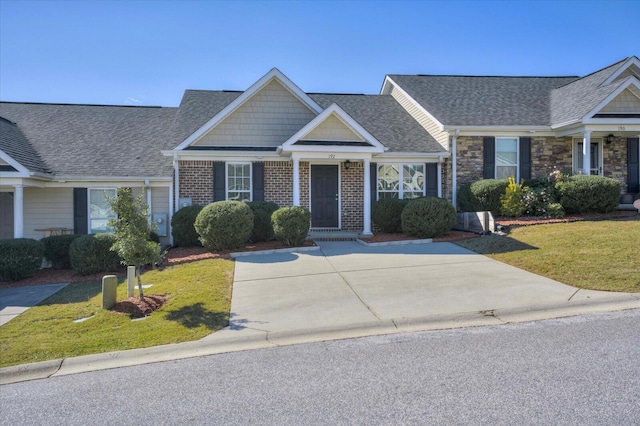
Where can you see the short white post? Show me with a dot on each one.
(109, 291)
(131, 280)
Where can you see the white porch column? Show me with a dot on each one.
(586, 153)
(176, 181)
(296, 181)
(439, 167)
(18, 211)
(367, 198)
(454, 169)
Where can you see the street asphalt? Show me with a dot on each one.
(345, 290)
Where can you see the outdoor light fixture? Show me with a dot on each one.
(347, 164)
(610, 138)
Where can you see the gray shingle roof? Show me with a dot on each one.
(15, 144)
(483, 101)
(96, 140)
(574, 100)
(385, 119)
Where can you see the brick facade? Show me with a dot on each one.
(196, 181)
(352, 197)
(278, 182)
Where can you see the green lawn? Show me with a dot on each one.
(598, 255)
(199, 304)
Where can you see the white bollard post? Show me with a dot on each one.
(131, 280)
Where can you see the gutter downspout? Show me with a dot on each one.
(176, 178)
(454, 169)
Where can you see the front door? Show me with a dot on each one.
(596, 160)
(324, 196)
(6, 215)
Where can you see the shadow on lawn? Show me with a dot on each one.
(74, 293)
(195, 315)
(494, 244)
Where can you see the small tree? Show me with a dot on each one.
(131, 229)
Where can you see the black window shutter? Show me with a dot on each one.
(373, 186)
(258, 181)
(80, 213)
(633, 183)
(489, 154)
(431, 179)
(525, 158)
(219, 184)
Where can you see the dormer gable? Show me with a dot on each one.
(265, 115)
(629, 68)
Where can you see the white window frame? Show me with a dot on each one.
(89, 218)
(517, 163)
(575, 152)
(401, 190)
(226, 178)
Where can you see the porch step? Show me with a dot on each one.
(333, 236)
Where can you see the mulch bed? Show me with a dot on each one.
(136, 308)
(507, 222)
(448, 237)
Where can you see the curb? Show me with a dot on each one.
(227, 340)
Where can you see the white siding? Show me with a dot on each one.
(332, 129)
(47, 208)
(268, 118)
(160, 204)
(3, 163)
(422, 118)
(625, 102)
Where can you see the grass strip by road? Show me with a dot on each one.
(199, 304)
(598, 255)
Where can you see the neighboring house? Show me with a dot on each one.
(331, 153)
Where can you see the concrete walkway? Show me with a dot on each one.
(14, 301)
(346, 290)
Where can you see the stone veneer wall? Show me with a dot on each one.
(352, 197)
(615, 162)
(546, 153)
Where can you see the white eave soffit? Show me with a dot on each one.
(353, 125)
(274, 74)
(628, 63)
(386, 88)
(22, 170)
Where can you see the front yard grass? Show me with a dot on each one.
(598, 255)
(199, 304)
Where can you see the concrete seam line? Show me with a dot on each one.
(574, 293)
(351, 287)
(285, 276)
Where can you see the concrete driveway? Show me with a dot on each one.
(345, 284)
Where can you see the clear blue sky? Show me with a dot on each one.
(149, 52)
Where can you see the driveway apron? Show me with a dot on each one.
(345, 283)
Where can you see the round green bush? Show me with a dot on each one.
(428, 217)
(262, 227)
(386, 214)
(482, 195)
(91, 254)
(291, 224)
(183, 229)
(56, 250)
(224, 225)
(587, 194)
(20, 258)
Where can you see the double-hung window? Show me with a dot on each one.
(239, 181)
(507, 158)
(99, 209)
(402, 181)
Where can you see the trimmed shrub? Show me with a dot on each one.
(291, 224)
(92, 253)
(56, 250)
(386, 214)
(153, 237)
(224, 225)
(586, 194)
(482, 195)
(20, 258)
(512, 204)
(555, 210)
(428, 217)
(182, 227)
(262, 227)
